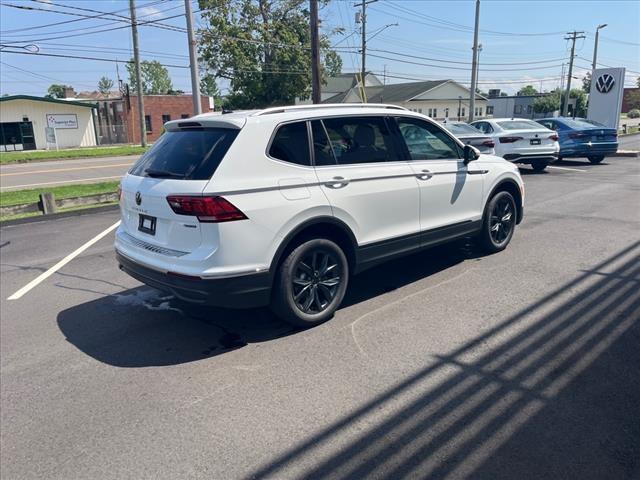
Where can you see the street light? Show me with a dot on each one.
(595, 48)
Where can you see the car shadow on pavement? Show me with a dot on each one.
(143, 327)
(550, 392)
(579, 163)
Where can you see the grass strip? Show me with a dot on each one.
(17, 197)
(39, 155)
(4, 218)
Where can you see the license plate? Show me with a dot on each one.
(535, 141)
(147, 224)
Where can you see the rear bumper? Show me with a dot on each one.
(589, 149)
(246, 291)
(526, 158)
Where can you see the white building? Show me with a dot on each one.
(439, 99)
(341, 84)
(23, 120)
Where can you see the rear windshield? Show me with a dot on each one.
(461, 129)
(188, 154)
(580, 123)
(520, 125)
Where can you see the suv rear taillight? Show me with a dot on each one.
(489, 143)
(554, 137)
(509, 139)
(208, 209)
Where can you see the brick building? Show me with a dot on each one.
(159, 109)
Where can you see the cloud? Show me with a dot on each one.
(46, 4)
(149, 13)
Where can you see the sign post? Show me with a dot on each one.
(50, 134)
(605, 96)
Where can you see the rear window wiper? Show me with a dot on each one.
(162, 174)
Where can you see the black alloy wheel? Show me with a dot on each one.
(499, 222)
(316, 281)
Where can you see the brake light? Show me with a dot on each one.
(489, 143)
(509, 139)
(554, 137)
(209, 209)
(578, 135)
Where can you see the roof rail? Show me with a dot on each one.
(323, 106)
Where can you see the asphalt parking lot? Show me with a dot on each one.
(446, 364)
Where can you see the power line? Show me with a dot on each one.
(461, 62)
(88, 58)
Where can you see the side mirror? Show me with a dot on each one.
(470, 154)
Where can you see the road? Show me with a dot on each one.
(59, 172)
(629, 142)
(446, 364)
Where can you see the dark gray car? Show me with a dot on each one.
(471, 136)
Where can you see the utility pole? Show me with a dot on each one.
(315, 53)
(573, 36)
(595, 50)
(193, 60)
(474, 64)
(136, 59)
(363, 19)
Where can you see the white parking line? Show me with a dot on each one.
(62, 263)
(566, 168)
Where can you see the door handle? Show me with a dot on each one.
(337, 182)
(424, 175)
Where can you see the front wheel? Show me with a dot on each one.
(539, 166)
(596, 159)
(310, 283)
(499, 222)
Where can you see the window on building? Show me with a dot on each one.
(489, 110)
(463, 111)
(529, 108)
(435, 113)
(517, 109)
(446, 113)
(147, 123)
(166, 118)
(184, 115)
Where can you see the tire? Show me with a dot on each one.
(539, 166)
(596, 159)
(495, 239)
(304, 294)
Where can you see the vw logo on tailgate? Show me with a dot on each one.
(605, 83)
(138, 198)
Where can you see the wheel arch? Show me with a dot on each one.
(511, 186)
(318, 227)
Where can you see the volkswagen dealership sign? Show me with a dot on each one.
(605, 97)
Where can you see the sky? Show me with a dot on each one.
(522, 41)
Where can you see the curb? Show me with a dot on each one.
(627, 153)
(55, 216)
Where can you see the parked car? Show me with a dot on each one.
(282, 206)
(521, 141)
(471, 136)
(580, 137)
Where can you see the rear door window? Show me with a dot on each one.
(426, 141)
(192, 154)
(353, 140)
(291, 144)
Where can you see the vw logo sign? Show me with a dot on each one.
(138, 198)
(605, 83)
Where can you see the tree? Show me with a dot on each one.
(262, 47)
(528, 90)
(332, 63)
(581, 102)
(547, 103)
(209, 87)
(155, 78)
(633, 99)
(586, 83)
(105, 85)
(56, 90)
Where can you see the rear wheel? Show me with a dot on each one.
(310, 283)
(499, 222)
(539, 166)
(596, 159)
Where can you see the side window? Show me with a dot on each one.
(426, 141)
(354, 140)
(548, 125)
(322, 150)
(482, 126)
(488, 128)
(291, 144)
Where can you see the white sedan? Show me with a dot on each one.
(521, 141)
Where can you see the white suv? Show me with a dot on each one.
(281, 206)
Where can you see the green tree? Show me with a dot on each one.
(332, 63)
(262, 47)
(581, 102)
(586, 83)
(633, 100)
(105, 85)
(56, 90)
(547, 103)
(209, 87)
(528, 90)
(155, 78)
